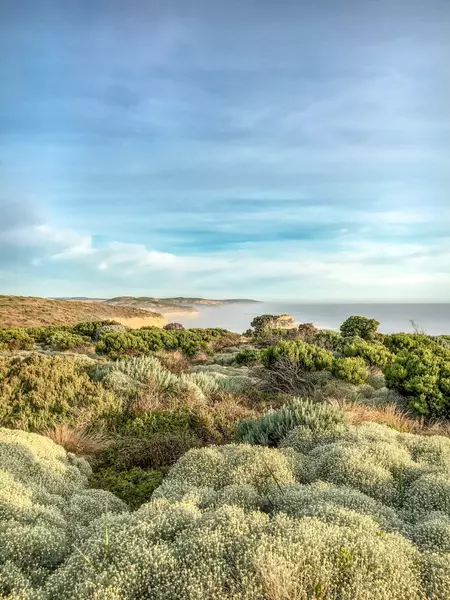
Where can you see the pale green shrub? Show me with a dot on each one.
(272, 427)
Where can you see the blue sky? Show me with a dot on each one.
(278, 150)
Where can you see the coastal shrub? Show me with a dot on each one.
(353, 370)
(361, 513)
(134, 486)
(15, 338)
(375, 354)
(90, 328)
(39, 392)
(248, 356)
(65, 340)
(422, 375)
(362, 327)
(272, 427)
(148, 340)
(44, 509)
(306, 356)
(327, 338)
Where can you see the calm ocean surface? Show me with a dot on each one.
(433, 318)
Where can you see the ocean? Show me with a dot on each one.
(434, 319)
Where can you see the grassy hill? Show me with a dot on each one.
(26, 311)
(170, 305)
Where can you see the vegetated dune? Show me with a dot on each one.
(25, 311)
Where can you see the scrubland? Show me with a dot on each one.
(283, 464)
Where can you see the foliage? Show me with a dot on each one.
(353, 370)
(90, 328)
(358, 513)
(327, 338)
(307, 356)
(134, 486)
(272, 427)
(42, 391)
(362, 327)
(423, 375)
(15, 338)
(148, 340)
(374, 353)
(248, 356)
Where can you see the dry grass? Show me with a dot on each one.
(25, 311)
(80, 440)
(393, 416)
(175, 362)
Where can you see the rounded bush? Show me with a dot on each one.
(362, 327)
(306, 356)
(353, 370)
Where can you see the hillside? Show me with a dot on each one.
(26, 311)
(170, 305)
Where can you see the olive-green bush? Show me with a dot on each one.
(422, 374)
(306, 356)
(15, 338)
(362, 327)
(248, 356)
(148, 340)
(38, 392)
(374, 353)
(134, 486)
(353, 370)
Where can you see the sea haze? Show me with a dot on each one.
(433, 318)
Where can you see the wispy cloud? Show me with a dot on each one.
(198, 147)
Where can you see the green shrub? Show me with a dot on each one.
(15, 338)
(327, 338)
(90, 328)
(362, 327)
(145, 425)
(271, 428)
(248, 356)
(422, 374)
(373, 353)
(148, 340)
(39, 392)
(134, 486)
(306, 356)
(353, 370)
(65, 340)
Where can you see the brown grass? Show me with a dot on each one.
(393, 416)
(25, 311)
(175, 362)
(79, 441)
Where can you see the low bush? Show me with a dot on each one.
(15, 338)
(362, 327)
(306, 356)
(134, 486)
(39, 392)
(148, 340)
(353, 370)
(357, 513)
(248, 356)
(272, 427)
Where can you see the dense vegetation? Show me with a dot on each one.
(289, 464)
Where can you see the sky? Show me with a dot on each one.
(289, 150)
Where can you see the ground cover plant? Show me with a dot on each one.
(290, 464)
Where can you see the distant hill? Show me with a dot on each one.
(26, 311)
(171, 305)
